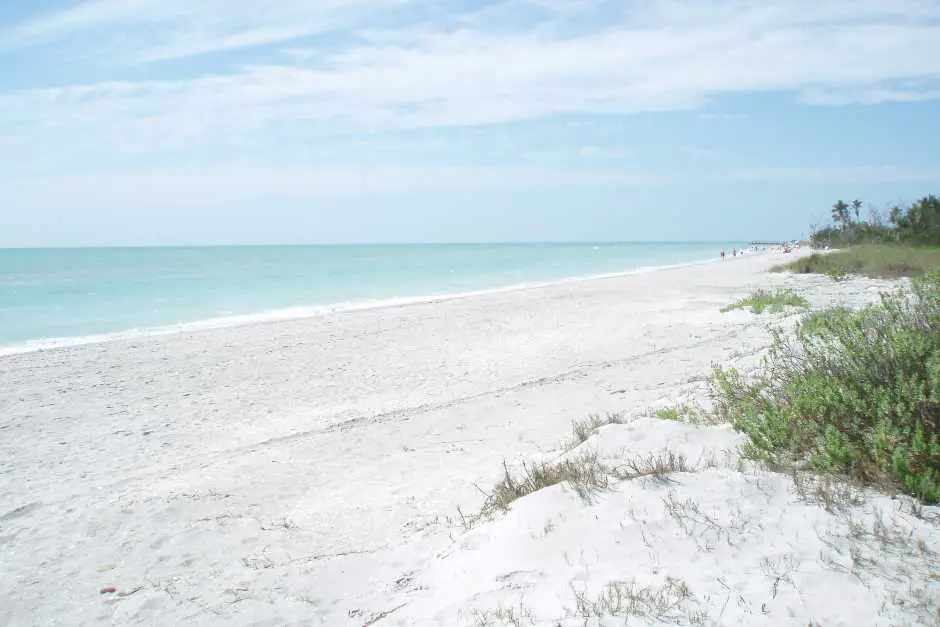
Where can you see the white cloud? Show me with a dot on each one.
(870, 95)
(514, 60)
(168, 29)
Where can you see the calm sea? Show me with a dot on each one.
(52, 297)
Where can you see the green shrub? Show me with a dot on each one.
(686, 412)
(883, 261)
(669, 413)
(763, 300)
(854, 393)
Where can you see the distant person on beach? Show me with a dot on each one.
(722, 254)
(734, 253)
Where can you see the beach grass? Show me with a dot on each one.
(773, 302)
(875, 261)
(584, 429)
(670, 603)
(585, 473)
(687, 413)
(853, 393)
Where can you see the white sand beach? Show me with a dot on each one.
(310, 472)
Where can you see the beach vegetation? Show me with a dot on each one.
(687, 413)
(671, 603)
(657, 465)
(674, 414)
(584, 429)
(903, 242)
(586, 474)
(511, 616)
(886, 261)
(850, 393)
(764, 300)
(915, 224)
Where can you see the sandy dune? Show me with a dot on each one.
(309, 472)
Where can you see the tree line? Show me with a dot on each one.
(917, 223)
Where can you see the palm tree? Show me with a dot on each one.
(895, 215)
(840, 214)
(857, 208)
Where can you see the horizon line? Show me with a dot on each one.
(378, 244)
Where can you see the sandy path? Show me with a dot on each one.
(296, 472)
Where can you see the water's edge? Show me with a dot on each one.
(299, 313)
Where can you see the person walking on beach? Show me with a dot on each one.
(722, 254)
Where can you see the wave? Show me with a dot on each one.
(299, 313)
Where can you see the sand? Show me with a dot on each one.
(310, 472)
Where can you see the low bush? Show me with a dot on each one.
(687, 413)
(774, 302)
(886, 262)
(855, 393)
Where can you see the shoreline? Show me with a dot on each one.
(302, 312)
(311, 471)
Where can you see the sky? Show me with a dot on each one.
(167, 122)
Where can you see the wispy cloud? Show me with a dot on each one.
(870, 95)
(150, 30)
(657, 55)
(310, 70)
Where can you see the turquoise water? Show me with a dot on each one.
(68, 296)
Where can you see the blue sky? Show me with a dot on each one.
(228, 121)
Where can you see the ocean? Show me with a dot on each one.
(55, 297)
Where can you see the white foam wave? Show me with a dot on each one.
(297, 313)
